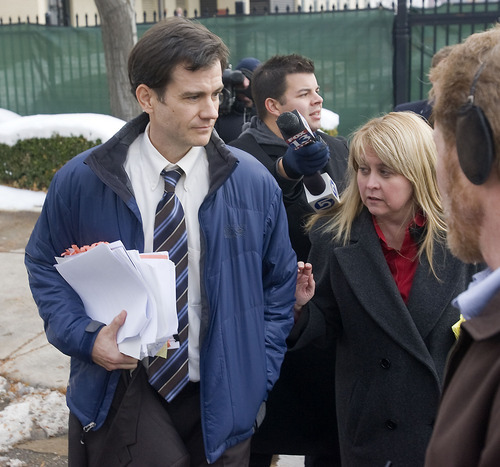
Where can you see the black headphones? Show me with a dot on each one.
(475, 145)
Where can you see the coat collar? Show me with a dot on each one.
(107, 160)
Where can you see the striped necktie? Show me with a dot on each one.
(168, 376)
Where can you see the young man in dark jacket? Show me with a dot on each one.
(282, 84)
(301, 409)
(241, 269)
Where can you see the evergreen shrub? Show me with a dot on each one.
(31, 163)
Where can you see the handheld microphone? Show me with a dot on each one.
(321, 191)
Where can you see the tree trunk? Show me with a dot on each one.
(119, 34)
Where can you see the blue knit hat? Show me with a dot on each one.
(247, 66)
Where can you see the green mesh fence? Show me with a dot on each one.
(352, 53)
(60, 70)
(52, 70)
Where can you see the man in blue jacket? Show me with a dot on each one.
(242, 269)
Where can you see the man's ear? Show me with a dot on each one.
(273, 107)
(145, 95)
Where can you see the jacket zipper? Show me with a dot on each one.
(91, 425)
(85, 430)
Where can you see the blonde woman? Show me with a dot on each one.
(384, 285)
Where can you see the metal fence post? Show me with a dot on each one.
(401, 44)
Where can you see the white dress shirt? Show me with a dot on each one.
(484, 285)
(143, 166)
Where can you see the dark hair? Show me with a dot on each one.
(269, 79)
(169, 43)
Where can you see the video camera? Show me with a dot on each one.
(231, 80)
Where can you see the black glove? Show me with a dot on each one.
(306, 160)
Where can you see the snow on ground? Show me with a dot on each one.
(14, 199)
(30, 413)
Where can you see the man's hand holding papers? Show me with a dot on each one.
(110, 279)
(105, 351)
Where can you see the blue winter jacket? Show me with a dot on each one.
(248, 272)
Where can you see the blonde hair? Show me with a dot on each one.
(403, 141)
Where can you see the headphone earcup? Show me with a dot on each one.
(475, 147)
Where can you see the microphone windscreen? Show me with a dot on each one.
(314, 183)
(289, 124)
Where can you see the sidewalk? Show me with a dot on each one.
(25, 354)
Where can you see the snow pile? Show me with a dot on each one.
(30, 413)
(329, 120)
(7, 115)
(14, 199)
(91, 126)
(5, 461)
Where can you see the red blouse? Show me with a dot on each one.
(402, 263)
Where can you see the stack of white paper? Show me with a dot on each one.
(110, 279)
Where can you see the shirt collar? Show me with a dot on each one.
(418, 221)
(484, 285)
(190, 159)
(153, 162)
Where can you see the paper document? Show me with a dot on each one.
(110, 279)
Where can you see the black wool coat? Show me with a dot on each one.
(390, 355)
